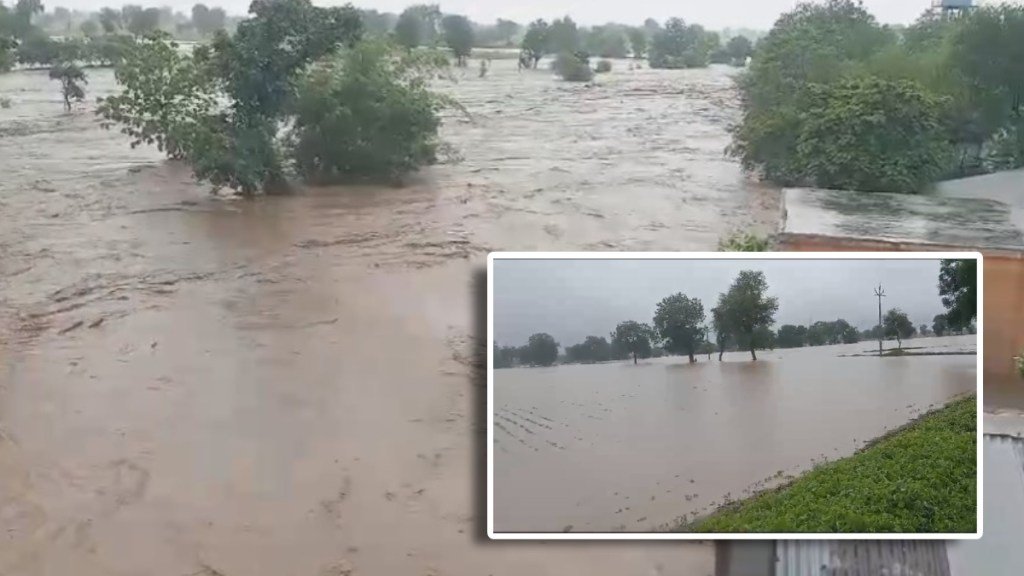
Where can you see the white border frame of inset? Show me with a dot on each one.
(723, 256)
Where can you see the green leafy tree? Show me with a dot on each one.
(208, 21)
(141, 21)
(679, 321)
(873, 135)
(505, 356)
(739, 48)
(592, 350)
(897, 325)
(419, 25)
(637, 42)
(564, 36)
(507, 30)
(458, 35)
(368, 113)
(71, 80)
(939, 326)
(747, 307)
(606, 41)
(677, 45)
(536, 43)
(723, 331)
(958, 287)
(542, 349)
(791, 336)
(634, 338)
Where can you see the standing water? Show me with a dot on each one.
(290, 385)
(623, 447)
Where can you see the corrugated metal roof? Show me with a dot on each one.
(861, 558)
(927, 220)
(999, 552)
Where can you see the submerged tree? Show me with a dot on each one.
(720, 324)
(71, 79)
(897, 325)
(633, 337)
(458, 35)
(542, 349)
(939, 326)
(536, 42)
(746, 307)
(679, 321)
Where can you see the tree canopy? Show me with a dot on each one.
(679, 321)
(542, 349)
(458, 35)
(633, 337)
(746, 307)
(958, 286)
(898, 325)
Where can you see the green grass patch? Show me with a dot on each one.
(920, 478)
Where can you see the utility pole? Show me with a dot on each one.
(880, 294)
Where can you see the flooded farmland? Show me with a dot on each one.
(290, 385)
(623, 447)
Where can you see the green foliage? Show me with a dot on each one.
(745, 307)
(418, 25)
(536, 43)
(939, 324)
(542, 349)
(608, 41)
(141, 21)
(872, 135)
(919, 479)
(947, 90)
(592, 350)
(679, 322)
(505, 356)
(897, 325)
(573, 67)
(633, 337)
(677, 45)
(791, 336)
(744, 242)
(208, 21)
(368, 113)
(563, 37)
(71, 80)
(958, 287)
(603, 67)
(458, 35)
(637, 42)
(110, 20)
(738, 49)
(507, 30)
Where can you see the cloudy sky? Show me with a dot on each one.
(572, 299)
(716, 14)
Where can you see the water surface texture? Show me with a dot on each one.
(624, 447)
(290, 385)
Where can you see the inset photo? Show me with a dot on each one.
(734, 395)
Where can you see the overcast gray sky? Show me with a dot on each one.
(716, 14)
(573, 299)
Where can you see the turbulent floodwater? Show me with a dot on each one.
(623, 447)
(194, 385)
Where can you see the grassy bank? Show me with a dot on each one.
(919, 478)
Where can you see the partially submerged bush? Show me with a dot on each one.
(573, 67)
(367, 113)
(5, 102)
(603, 67)
(744, 242)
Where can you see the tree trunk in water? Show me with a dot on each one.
(692, 359)
(634, 357)
(752, 353)
(720, 352)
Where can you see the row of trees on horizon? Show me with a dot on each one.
(674, 45)
(742, 320)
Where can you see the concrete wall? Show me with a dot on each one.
(1003, 320)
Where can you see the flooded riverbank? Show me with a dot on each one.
(288, 385)
(618, 447)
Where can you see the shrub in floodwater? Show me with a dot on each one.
(367, 113)
(573, 67)
(71, 79)
(744, 242)
(5, 102)
(603, 67)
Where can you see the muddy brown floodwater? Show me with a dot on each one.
(624, 447)
(290, 385)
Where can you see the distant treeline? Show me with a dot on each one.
(742, 320)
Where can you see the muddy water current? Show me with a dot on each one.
(624, 447)
(290, 386)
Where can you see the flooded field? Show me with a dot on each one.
(194, 385)
(618, 447)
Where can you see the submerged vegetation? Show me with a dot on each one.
(917, 479)
(353, 107)
(834, 99)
